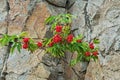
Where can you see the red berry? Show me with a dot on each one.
(57, 38)
(25, 46)
(58, 28)
(79, 41)
(39, 44)
(91, 45)
(95, 53)
(87, 54)
(70, 38)
(25, 40)
(51, 44)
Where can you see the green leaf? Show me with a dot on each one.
(5, 41)
(0, 40)
(95, 58)
(23, 34)
(73, 62)
(13, 48)
(50, 20)
(84, 46)
(79, 37)
(12, 38)
(53, 26)
(19, 46)
(32, 47)
(61, 53)
(88, 58)
(96, 41)
(79, 57)
(48, 41)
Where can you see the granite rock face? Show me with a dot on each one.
(100, 19)
(94, 18)
(3, 15)
(62, 3)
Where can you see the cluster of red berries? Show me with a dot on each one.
(58, 28)
(58, 38)
(95, 53)
(70, 38)
(91, 45)
(26, 43)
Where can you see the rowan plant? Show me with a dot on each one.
(62, 41)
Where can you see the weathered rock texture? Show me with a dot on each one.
(94, 18)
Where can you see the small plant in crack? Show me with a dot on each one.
(62, 41)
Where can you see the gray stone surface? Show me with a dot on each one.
(21, 62)
(25, 65)
(28, 16)
(111, 70)
(62, 3)
(3, 11)
(3, 16)
(2, 56)
(104, 18)
(94, 18)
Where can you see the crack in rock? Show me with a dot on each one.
(87, 22)
(4, 68)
